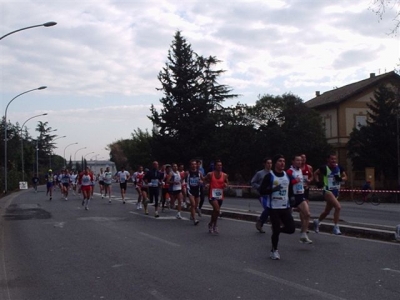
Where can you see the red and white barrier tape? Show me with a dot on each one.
(315, 189)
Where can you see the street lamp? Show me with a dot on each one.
(5, 134)
(51, 151)
(65, 149)
(88, 154)
(77, 152)
(22, 145)
(47, 24)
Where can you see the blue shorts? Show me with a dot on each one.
(49, 184)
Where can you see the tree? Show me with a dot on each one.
(380, 7)
(284, 123)
(374, 145)
(192, 102)
(45, 142)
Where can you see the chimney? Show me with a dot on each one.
(317, 93)
(371, 75)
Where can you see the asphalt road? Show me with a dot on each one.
(57, 250)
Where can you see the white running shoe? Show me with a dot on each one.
(336, 230)
(305, 240)
(178, 216)
(275, 255)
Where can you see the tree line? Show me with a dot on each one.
(194, 123)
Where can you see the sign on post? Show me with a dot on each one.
(23, 185)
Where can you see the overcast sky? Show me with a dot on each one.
(101, 61)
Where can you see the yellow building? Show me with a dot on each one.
(345, 108)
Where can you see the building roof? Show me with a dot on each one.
(343, 93)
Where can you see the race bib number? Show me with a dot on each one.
(299, 188)
(154, 182)
(332, 184)
(217, 193)
(193, 181)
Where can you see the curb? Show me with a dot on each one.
(376, 233)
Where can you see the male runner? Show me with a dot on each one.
(255, 184)
(277, 186)
(297, 180)
(328, 177)
(123, 177)
(217, 180)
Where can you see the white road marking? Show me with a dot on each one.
(157, 295)
(391, 270)
(303, 288)
(159, 239)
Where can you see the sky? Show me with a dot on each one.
(100, 62)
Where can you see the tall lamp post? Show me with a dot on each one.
(47, 24)
(5, 134)
(22, 145)
(77, 152)
(51, 150)
(65, 164)
(88, 154)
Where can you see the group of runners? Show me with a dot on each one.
(173, 185)
(83, 183)
(282, 192)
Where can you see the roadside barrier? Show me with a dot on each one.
(316, 189)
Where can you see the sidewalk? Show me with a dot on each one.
(373, 229)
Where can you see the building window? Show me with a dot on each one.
(360, 121)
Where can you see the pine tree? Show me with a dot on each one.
(374, 145)
(192, 100)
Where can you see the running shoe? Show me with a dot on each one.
(123, 201)
(66, 199)
(198, 210)
(83, 202)
(178, 216)
(109, 201)
(146, 212)
(275, 255)
(137, 206)
(336, 230)
(259, 226)
(210, 228)
(102, 196)
(86, 208)
(215, 229)
(50, 198)
(196, 222)
(156, 214)
(305, 240)
(316, 226)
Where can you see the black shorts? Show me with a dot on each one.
(122, 185)
(175, 192)
(65, 184)
(101, 182)
(298, 199)
(193, 192)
